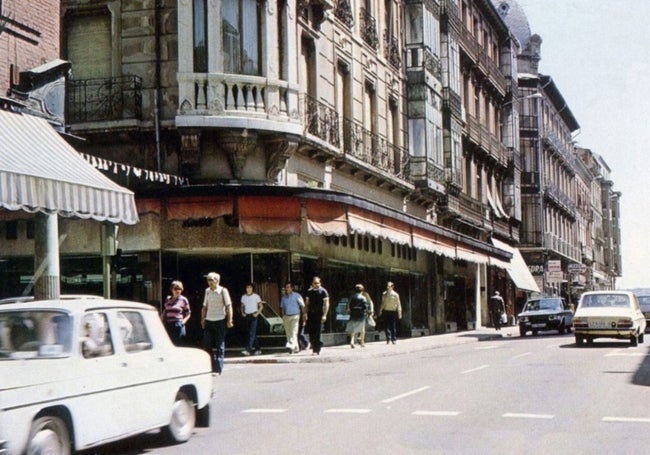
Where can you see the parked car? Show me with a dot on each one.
(77, 373)
(609, 314)
(644, 302)
(545, 313)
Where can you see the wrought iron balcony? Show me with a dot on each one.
(95, 100)
(369, 29)
(321, 121)
(343, 12)
(393, 53)
(374, 149)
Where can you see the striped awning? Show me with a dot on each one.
(41, 172)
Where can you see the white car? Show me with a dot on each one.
(609, 314)
(75, 374)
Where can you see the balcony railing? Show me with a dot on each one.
(393, 53)
(369, 29)
(374, 149)
(321, 121)
(236, 95)
(343, 12)
(96, 100)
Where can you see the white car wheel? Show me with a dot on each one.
(183, 419)
(49, 436)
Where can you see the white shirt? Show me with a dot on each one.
(251, 302)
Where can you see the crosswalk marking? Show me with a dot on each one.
(482, 367)
(626, 419)
(436, 413)
(516, 415)
(347, 411)
(412, 392)
(264, 411)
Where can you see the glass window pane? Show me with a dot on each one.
(250, 42)
(231, 36)
(200, 37)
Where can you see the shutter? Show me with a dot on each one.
(89, 47)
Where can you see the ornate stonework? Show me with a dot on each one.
(278, 152)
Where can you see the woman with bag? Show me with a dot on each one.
(358, 307)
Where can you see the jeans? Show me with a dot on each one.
(251, 325)
(214, 343)
(176, 331)
(390, 317)
(314, 327)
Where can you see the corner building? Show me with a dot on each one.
(272, 141)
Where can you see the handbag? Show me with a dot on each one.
(370, 321)
(504, 318)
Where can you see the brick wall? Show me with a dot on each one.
(30, 36)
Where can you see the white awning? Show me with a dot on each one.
(41, 172)
(517, 268)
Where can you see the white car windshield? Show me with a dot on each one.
(34, 334)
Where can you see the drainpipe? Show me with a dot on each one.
(157, 77)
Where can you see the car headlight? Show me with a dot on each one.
(552, 317)
(523, 318)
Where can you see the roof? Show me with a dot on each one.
(41, 172)
(515, 17)
(75, 305)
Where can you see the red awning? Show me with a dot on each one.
(269, 215)
(423, 240)
(375, 225)
(326, 218)
(199, 207)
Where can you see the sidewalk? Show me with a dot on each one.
(374, 349)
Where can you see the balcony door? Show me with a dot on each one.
(88, 46)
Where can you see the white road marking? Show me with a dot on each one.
(264, 411)
(515, 415)
(626, 419)
(436, 413)
(519, 356)
(625, 353)
(482, 367)
(404, 395)
(481, 348)
(347, 411)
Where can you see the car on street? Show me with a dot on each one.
(78, 373)
(644, 302)
(545, 313)
(609, 314)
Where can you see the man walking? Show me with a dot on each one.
(291, 307)
(497, 308)
(216, 318)
(251, 307)
(391, 308)
(317, 304)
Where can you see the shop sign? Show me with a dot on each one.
(576, 268)
(554, 266)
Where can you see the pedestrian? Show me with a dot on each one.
(391, 311)
(216, 318)
(291, 307)
(497, 307)
(358, 307)
(251, 307)
(175, 313)
(317, 304)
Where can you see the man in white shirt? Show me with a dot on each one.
(251, 307)
(216, 318)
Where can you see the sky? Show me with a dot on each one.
(597, 52)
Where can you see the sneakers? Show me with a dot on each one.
(352, 345)
(245, 352)
(258, 352)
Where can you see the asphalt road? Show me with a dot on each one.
(504, 396)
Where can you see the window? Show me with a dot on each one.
(95, 336)
(200, 37)
(241, 36)
(133, 331)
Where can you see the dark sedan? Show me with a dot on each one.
(545, 313)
